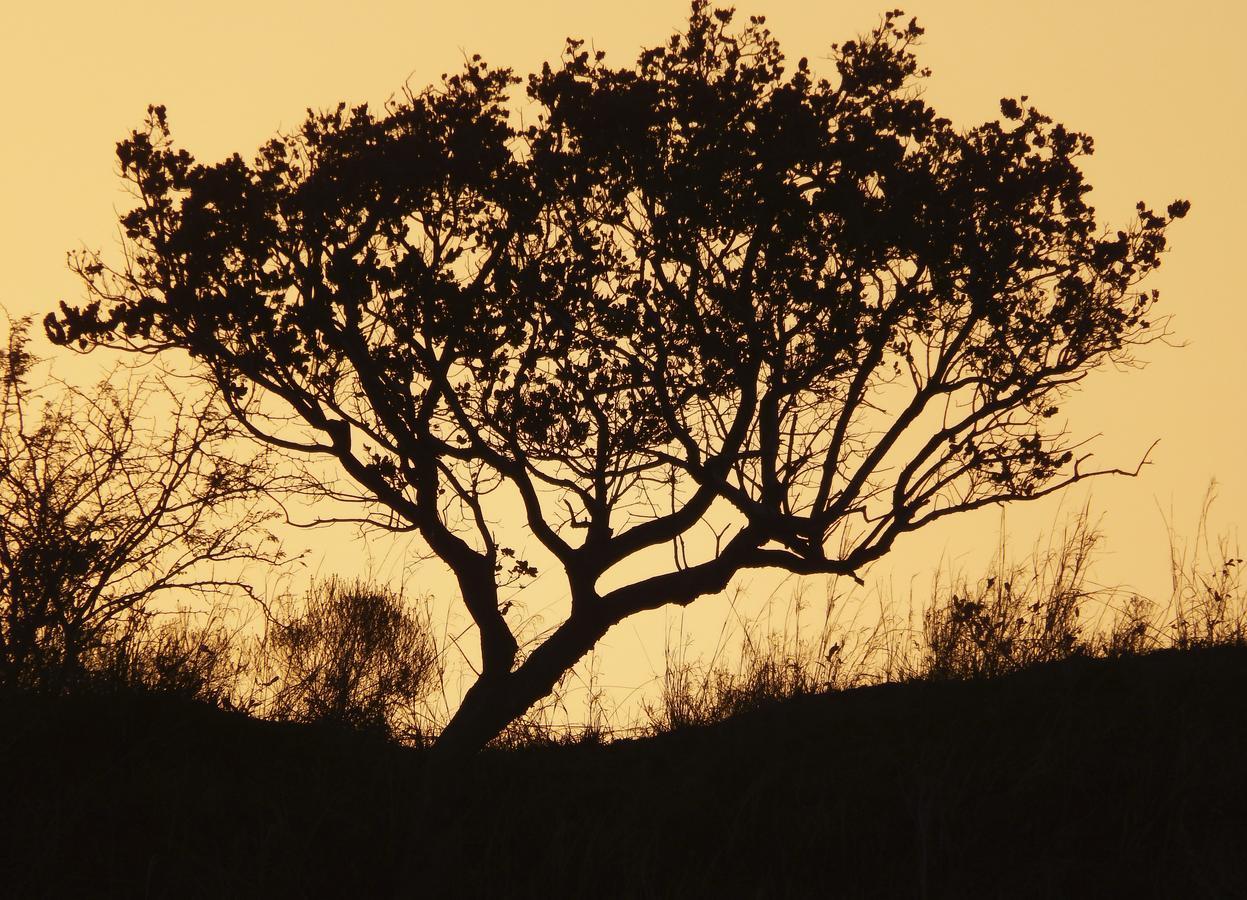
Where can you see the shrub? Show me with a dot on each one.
(192, 658)
(355, 655)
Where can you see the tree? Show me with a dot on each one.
(102, 512)
(700, 291)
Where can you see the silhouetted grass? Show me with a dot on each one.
(193, 658)
(1011, 740)
(1084, 777)
(1015, 616)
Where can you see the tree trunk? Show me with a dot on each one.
(495, 701)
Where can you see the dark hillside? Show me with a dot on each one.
(1095, 778)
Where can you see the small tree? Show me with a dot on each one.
(102, 511)
(704, 290)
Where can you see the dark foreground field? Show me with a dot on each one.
(1089, 778)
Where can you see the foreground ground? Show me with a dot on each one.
(1089, 778)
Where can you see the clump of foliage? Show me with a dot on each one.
(767, 667)
(353, 655)
(190, 657)
(693, 695)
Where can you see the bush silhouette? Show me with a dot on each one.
(190, 658)
(353, 655)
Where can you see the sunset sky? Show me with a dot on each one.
(1159, 85)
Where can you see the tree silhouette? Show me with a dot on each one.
(102, 510)
(700, 292)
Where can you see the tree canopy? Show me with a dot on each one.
(707, 281)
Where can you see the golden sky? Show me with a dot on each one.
(1160, 86)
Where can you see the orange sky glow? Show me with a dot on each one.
(1158, 85)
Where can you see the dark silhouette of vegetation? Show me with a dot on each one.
(1029, 753)
(109, 500)
(703, 295)
(192, 657)
(710, 302)
(354, 655)
(1016, 616)
(1081, 778)
(1209, 598)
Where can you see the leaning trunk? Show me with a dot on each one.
(497, 700)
